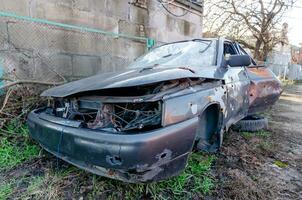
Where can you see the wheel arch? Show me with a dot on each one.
(210, 123)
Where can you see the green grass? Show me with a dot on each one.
(14, 154)
(6, 190)
(16, 129)
(262, 134)
(281, 164)
(196, 180)
(15, 146)
(265, 145)
(35, 185)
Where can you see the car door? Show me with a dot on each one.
(237, 83)
(265, 88)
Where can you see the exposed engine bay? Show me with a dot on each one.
(118, 116)
(94, 113)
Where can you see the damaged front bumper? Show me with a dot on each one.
(138, 157)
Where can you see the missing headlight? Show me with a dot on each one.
(119, 116)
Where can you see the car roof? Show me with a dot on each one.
(180, 41)
(196, 39)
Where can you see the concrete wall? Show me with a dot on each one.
(38, 51)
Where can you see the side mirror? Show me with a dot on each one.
(239, 61)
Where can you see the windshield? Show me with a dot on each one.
(191, 53)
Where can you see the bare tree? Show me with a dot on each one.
(255, 24)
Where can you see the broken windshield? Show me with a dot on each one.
(190, 53)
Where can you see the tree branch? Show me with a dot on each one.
(18, 82)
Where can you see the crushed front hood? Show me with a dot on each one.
(129, 78)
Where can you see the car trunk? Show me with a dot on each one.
(265, 89)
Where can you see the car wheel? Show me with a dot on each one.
(209, 132)
(251, 124)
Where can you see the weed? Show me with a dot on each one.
(281, 164)
(286, 82)
(35, 185)
(5, 191)
(14, 154)
(15, 147)
(247, 134)
(263, 134)
(15, 128)
(195, 179)
(265, 145)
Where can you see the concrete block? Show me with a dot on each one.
(85, 65)
(128, 49)
(18, 64)
(154, 5)
(61, 63)
(15, 6)
(90, 14)
(3, 35)
(172, 24)
(164, 35)
(138, 15)
(188, 26)
(51, 67)
(192, 30)
(82, 5)
(129, 28)
(157, 19)
(113, 64)
(43, 38)
(193, 18)
(118, 9)
(97, 6)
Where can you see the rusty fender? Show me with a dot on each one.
(264, 90)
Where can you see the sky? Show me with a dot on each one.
(294, 19)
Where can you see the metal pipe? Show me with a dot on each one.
(184, 7)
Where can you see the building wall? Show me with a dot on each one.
(33, 50)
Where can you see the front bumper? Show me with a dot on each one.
(142, 157)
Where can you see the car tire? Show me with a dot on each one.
(251, 124)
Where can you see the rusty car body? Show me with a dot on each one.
(141, 124)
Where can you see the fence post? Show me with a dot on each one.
(150, 43)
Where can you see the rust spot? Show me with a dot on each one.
(111, 172)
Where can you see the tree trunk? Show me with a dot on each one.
(257, 51)
(265, 51)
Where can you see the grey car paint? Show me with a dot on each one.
(156, 154)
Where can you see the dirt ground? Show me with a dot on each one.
(267, 165)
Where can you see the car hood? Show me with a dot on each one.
(129, 78)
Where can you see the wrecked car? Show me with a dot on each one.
(140, 124)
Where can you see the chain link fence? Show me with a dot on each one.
(280, 63)
(38, 49)
(289, 71)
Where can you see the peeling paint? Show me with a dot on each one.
(140, 125)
